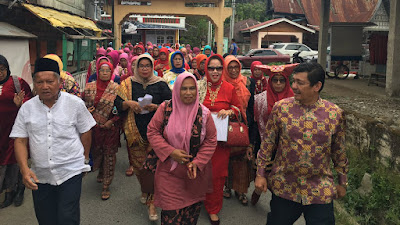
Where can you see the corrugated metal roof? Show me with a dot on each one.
(273, 22)
(341, 11)
(287, 6)
(8, 30)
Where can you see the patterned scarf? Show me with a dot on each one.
(104, 107)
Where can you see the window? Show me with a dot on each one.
(304, 48)
(268, 52)
(160, 40)
(170, 39)
(258, 53)
(292, 47)
(278, 46)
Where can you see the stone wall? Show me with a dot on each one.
(377, 139)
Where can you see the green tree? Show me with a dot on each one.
(197, 30)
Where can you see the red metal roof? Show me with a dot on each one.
(287, 6)
(352, 11)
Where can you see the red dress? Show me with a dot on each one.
(225, 98)
(8, 113)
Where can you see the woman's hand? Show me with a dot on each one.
(224, 113)
(159, 66)
(192, 170)
(151, 107)
(107, 125)
(18, 98)
(180, 156)
(134, 105)
(249, 153)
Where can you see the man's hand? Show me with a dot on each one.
(18, 98)
(29, 179)
(192, 170)
(341, 191)
(261, 184)
(180, 156)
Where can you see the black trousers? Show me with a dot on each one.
(58, 205)
(286, 212)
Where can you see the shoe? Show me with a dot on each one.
(129, 172)
(143, 200)
(214, 222)
(242, 198)
(105, 194)
(8, 200)
(227, 192)
(152, 217)
(19, 196)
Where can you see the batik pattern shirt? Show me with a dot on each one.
(300, 142)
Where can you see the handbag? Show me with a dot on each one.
(238, 135)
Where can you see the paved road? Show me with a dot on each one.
(124, 207)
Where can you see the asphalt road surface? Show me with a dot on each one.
(124, 206)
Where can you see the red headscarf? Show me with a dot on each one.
(285, 71)
(209, 83)
(239, 83)
(200, 58)
(100, 84)
(261, 82)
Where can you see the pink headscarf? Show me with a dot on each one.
(101, 51)
(196, 50)
(109, 49)
(180, 123)
(114, 54)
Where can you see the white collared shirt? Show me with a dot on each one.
(56, 149)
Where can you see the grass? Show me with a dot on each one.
(382, 206)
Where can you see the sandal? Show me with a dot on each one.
(129, 171)
(242, 198)
(227, 193)
(150, 202)
(143, 199)
(105, 194)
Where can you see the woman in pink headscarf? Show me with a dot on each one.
(92, 66)
(113, 56)
(131, 68)
(196, 51)
(183, 136)
(188, 58)
(109, 49)
(123, 65)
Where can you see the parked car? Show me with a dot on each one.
(291, 48)
(263, 55)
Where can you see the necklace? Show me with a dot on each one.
(259, 87)
(213, 94)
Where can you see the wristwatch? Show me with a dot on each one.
(87, 161)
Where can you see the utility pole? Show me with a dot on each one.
(231, 34)
(209, 30)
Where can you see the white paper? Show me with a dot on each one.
(143, 101)
(222, 127)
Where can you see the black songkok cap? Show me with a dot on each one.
(45, 64)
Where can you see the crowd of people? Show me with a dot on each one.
(164, 100)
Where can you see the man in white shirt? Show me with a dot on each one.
(56, 125)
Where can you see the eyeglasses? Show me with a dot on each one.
(281, 80)
(212, 69)
(233, 67)
(104, 70)
(2, 69)
(148, 66)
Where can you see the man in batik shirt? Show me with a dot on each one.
(303, 135)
